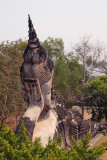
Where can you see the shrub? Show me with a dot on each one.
(19, 147)
(104, 132)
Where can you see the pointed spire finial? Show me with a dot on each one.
(30, 25)
(33, 40)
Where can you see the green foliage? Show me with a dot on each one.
(54, 47)
(96, 92)
(81, 150)
(61, 75)
(104, 132)
(95, 95)
(69, 103)
(76, 75)
(67, 75)
(19, 147)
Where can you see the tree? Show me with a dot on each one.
(102, 66)
(91, 56)
(54, 47)
(76, 74)
(67, 76)
(62, 75)
(82, 51)
(95, 93)
(10, 86)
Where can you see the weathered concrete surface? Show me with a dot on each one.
(95, 139)
(45, 128)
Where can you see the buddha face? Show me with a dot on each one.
(46, 89)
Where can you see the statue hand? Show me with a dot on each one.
(34, 98)
(34, 93)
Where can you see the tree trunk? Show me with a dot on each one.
(93, 114)
(83, 112)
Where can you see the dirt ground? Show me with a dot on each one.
(103, 141)
(87, 113)
(104, 156)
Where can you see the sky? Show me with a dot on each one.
(66, 19)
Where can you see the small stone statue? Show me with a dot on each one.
(46, 115)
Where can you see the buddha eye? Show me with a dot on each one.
(49, 92)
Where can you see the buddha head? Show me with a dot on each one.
(37, 66)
